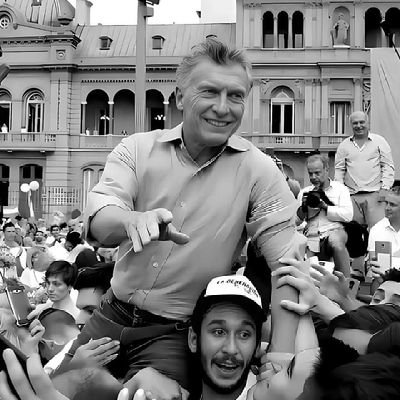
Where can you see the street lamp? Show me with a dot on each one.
(29, 188)
(144, 11)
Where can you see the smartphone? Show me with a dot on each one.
(383, 254)
(19, 304)
(327, 265)
(22, 358)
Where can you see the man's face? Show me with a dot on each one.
(55, 231)
(392, 206)
(88, 300)
(317, 173)
(359, 124)
(388, 292)
(10, 233)
(213, 102)
(57, 289)
(226, 347)
(39, 237)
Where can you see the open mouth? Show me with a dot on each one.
(217, 124)
(227, 368)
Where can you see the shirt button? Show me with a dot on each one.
(155, 265)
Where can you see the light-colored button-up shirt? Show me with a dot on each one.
(342, 211)
(240, 190)
(368, 168)
(383, 231)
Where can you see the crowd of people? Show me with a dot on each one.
(142, 297)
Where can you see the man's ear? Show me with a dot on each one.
(179, 98)
(192, 340)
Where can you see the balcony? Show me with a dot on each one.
(330, 142)
(28, 141)
(284, 142)
(99, 141)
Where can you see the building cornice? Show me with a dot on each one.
(45, 39)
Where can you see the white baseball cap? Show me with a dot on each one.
(235, 288)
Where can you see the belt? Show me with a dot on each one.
(143, 315)
(363, 192)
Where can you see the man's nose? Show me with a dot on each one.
(221, 104)
(230, 345)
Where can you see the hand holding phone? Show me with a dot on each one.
(19, 303)
(383, 254)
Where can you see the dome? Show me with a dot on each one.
(43, 12)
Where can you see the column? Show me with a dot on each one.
(290, 32)
(246, 27)
(324, 106)
(167, 121)
(111, 120)
(275, 32)
(140, 81)
(83, 117)
(308, 106)
(256, 107)
(357, 94)
(258, 36)
(308, 26)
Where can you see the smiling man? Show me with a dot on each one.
(364, 163)
(180, 204)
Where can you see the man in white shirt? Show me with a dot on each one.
(388, 228)
(325, 205)
(364, 163)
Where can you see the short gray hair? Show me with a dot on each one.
(319, 157)
(215, 51)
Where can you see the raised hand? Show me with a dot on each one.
(334, 286)
(96, 353)
(144, 227)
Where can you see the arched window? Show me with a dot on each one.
(5, 111)
(283, 30)
(282, 111)
(34, 111)
(268, 30)
(297, 24)
(90, 177)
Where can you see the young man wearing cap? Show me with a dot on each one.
(225, 334)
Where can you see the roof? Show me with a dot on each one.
(48, 13)
(179, 39)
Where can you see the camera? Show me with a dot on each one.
(313, 198)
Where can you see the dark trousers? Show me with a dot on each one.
(146, 340)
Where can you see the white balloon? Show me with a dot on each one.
(34, 185)
(25, 188)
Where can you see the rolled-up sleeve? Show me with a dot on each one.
(387, 165)
(272, 213)
(343, 211)
(117, 186)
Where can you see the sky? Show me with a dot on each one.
(124, 12)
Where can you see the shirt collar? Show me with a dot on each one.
(175, 134)
(368, 137)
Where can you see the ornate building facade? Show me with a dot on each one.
(69, 97)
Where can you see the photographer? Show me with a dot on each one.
(324, 206)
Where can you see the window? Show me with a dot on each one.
(282, 111)
(5, 21)
(157, 42)
(36, 3)
(91, 175)
(32, 171)
(105, 42)
(5, 111)
(339, 117)
(34, 112)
